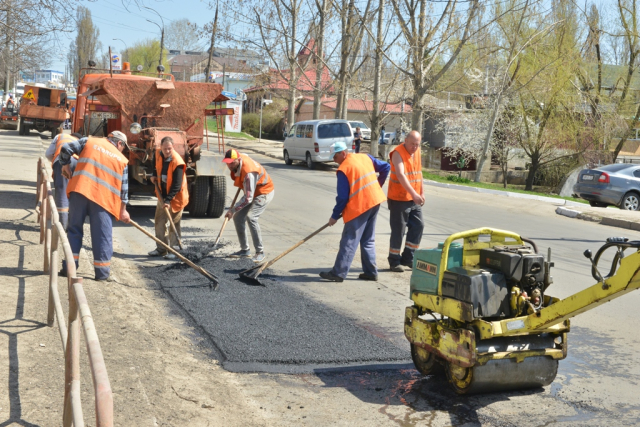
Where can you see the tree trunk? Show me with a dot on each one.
(487, 138)
(207, 70)
(375, 114)
(317, 90)
(535, 165)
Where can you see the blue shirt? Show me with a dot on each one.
(382, 168)
(76, 147)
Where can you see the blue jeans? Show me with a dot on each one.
(60, 193)
(101, 224)
(359, 231)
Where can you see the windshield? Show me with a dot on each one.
(333, 130)
(358, 125)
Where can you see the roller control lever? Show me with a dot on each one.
(594, 269)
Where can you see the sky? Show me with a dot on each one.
(115, 22)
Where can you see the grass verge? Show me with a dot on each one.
(212, 126)
(492, 186)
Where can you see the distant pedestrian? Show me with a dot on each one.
(382, 135)
(359, 197)
(170, 174)
(59, 181)
(357, 138)
(258, 188)
(98, 189)
(405, 201)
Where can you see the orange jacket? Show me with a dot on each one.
(365, 191)
(264, 185)
(63, 139)
(98, 175)
(413, 172)
(181, 200)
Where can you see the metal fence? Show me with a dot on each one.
(53, 235)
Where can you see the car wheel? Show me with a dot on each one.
(597, 204)
(287, 160)
(630, 202)
(310, 163)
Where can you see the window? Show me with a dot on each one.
(300, 131)
(308, 132)
(636, 173)
(333, 130)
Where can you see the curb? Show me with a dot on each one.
(255, 150)
(612, 222)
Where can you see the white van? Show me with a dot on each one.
(312, 141)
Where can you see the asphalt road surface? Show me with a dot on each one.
(597, 384)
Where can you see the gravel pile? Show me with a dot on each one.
(268, 323)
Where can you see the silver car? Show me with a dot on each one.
(617, 185)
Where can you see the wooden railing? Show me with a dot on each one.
(54, 237)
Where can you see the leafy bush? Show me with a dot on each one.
(272, 119)
(456, 178)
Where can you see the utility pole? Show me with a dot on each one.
(214, 29)
(161, 31)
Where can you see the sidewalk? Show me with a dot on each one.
(606, 216)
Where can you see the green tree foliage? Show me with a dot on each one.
(272, 119)
(146, 53)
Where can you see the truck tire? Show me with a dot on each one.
(23, 128)
(217, 197)
(199, 197)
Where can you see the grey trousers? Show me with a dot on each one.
(250, 214)
(404, 216)
(162, 227)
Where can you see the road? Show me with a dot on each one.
(597, 382)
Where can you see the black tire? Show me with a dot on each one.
(287, 159)
(310, 163)
(199, 197)
(217, 197)
(630, 201)
(597, 204)
(425, 362)
(23, 128)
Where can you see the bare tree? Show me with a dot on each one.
(434, 42)
(181, 35)
(87, 43)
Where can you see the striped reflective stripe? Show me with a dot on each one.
(264, 176)
(362, 188)
(101, 263)
(409, 180)
(412, 245)
(76, 256)
(94, 178)
(102, 167)
(361, 178)
(63, 210)
(408, 173)
(394, 251)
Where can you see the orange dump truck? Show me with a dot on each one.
(42, 109)
(148, 107)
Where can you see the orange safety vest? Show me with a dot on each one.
(413, 172)
(62, 139)
(264, 185)
(181, 200)
(365, 191)
(99, 173)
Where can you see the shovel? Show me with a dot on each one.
(166, 210)
(224, 224)
(214, 280)
(254, 272)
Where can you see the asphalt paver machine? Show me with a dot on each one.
(482, 313)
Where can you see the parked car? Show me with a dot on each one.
(617, 185)
(312, 141)
(364, 129)
(389, 137)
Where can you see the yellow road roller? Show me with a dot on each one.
(482, 313)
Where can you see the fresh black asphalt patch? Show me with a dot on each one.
(273, 327)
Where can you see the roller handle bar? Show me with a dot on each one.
(622, 244)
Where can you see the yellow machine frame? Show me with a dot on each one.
(455, 341)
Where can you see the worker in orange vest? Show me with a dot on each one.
(170, 172)
(99, 189)
(359, 197)
(406, 197)
(258, 189)
(59, 181)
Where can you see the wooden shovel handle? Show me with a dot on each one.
(199, 269)
(226, 220)
(270, 263)
(173, 226)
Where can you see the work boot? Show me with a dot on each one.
(365, 276)
(170, 256)
(397, 268)
(62, 272)
(109, 279)
(240, 254)
(327, 275)
(259, 257)
(407, 264)
(156, 252)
